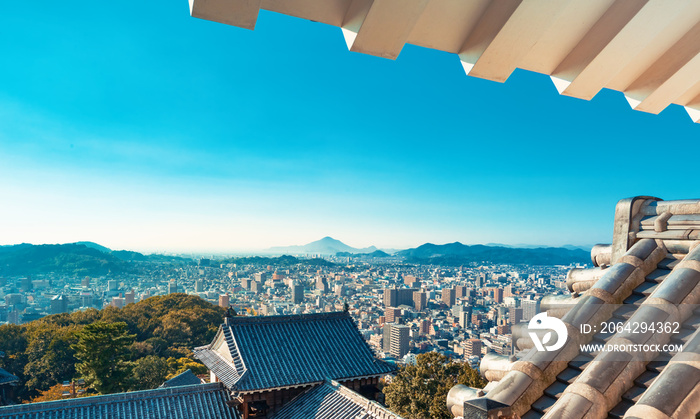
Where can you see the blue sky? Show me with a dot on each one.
(137, 126)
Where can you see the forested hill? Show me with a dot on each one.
(153, 339)
(455, 254)
(80, 259)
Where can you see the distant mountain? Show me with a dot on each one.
(71, 258)
(325, 246)
(539, 246)
(96, 246)
(454, 254)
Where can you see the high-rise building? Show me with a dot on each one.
(515, 315)
(391, 297)
(530, 308)
(25, 284)
(85, 282)
(245, 283)
(199, 286)
(395, 339)
(465, 317)
(392, 314)
(460, 291)
(448, 296)
(223, 301)
(130, 297)
(297, 293)
(420, 300)
(117, 302)
(498, 295)
(172, 287)
(472, 347)
(112, 285)
(322, 284)
(59, 304)
(480, 279)
(409, 280)
(256, 287)
(424, 327)
(394, 297)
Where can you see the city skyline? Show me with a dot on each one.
(156, 131)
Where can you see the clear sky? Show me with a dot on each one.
(136, 126)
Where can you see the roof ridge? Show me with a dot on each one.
(288, 318)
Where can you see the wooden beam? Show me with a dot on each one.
(240, 13)
(381, 27)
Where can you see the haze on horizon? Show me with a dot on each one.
(155, 131)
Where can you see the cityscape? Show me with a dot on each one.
(400, 309)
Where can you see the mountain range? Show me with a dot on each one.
(455, 254)
(325, 246)
(81, 258)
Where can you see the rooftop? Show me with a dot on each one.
(264, 352)
(650, 275)
(203, 401)
(332, 400)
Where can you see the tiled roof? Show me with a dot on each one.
(6, 377)
(279, 351)
(187, 378)
(331, 400)
(650, 275)
(203, 401)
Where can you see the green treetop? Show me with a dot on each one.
(102, 350)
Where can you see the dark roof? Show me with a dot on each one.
(203, 401)
(279, 351)
(186, 378)
(331, 400)
(7, 378)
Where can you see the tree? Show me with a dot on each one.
(180, 365)
(54, 393)
(102, 350)
(420, 391)
(50, 357)
(149, 372)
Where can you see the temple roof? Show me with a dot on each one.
(6, 377)
(202, 401)
(256, 353)
(332, 400)
(186, 378)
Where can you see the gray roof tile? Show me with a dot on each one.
(279, 351)
(331, 400)
(202, 401)
(187, 378)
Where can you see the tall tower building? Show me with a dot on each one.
(224, 301)
(448, 296)
(172, 287)
(396, 339)
(530, 308)
(297, 293)
(420, 300)
(472, 348)
(391, 297)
